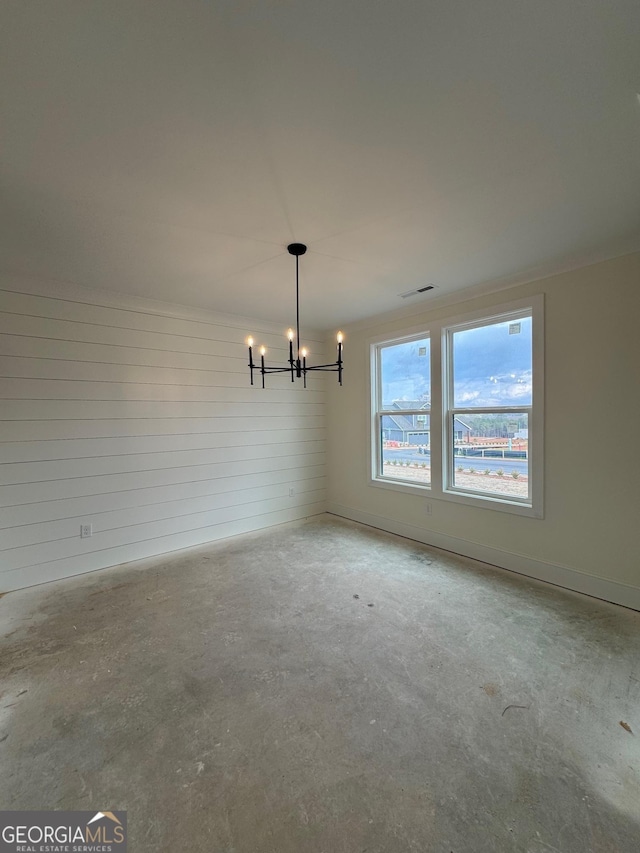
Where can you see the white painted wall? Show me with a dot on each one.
(138, 418)
(588, 539)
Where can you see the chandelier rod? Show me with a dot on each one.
(297, 310)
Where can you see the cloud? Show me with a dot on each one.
(503, 389)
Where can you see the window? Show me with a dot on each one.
(489, 396)
(402, 411)
(470, 432)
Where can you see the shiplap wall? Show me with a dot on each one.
(138, 418)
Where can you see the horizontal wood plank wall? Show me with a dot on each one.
(138, 418)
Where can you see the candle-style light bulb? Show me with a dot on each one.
(263, 350)
(303, 352)
(250, 345)
(290, 336)
(340, 337)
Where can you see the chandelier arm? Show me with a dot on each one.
(333, 366)
(336, 367)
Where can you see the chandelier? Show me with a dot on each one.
(298, 366)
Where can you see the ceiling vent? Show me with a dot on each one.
(416, 292)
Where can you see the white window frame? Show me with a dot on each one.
(439, 333)
(377, 412)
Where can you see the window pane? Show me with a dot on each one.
(405, 447)
(405, 380)
(492, 365)
(490, 453)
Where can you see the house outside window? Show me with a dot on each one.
(461, 431)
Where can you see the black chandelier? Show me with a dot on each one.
(298, 366)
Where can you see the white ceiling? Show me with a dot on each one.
(173, 149)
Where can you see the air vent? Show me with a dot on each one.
(416, 292)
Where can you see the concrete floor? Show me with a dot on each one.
(325, 687)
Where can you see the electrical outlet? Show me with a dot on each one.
(86, 530)
(292, 492)
(427, 508)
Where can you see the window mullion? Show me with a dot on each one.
(493, 410)
(436, 410)
(397, 412)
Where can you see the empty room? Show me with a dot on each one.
(319, 411)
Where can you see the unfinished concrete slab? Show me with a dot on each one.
(325, 687)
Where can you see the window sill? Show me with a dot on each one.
(495, 504)
(400, 485)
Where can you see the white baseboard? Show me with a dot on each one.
(607, 590)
